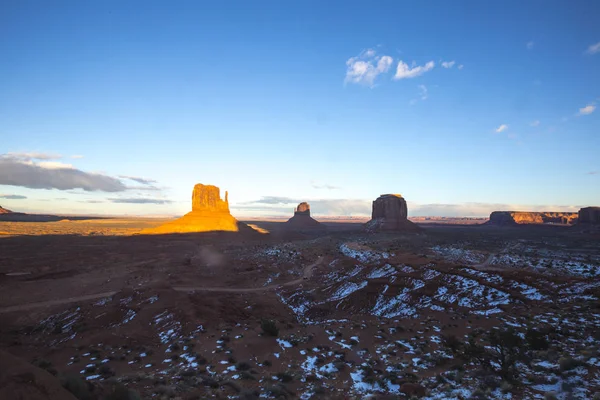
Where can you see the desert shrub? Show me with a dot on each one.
(267, 363)
(245, 375)
(285, 377)
(121, 392)
(536, 340)
(243, 366)
(568, 364)
(81, 389)
(269, 327)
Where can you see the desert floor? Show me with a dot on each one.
(390, 315)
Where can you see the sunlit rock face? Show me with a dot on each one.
(390, 213)
(523, 217)
(209, 213)
(4, 210)
(302, 220)
(589, 215)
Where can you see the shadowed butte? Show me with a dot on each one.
(209, 213)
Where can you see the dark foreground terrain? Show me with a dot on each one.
(453, 312)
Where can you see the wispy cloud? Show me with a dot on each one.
(460, 66)
(530, 45)
(143, 181)
(33, 155)
(403, 71)
(534, 123)
(448, 64)
(593, 48)
(423, 94)
(12, 196)
(134, 200)
(501, 128)
(323, 186)
(18, 170)
(593, 173)
(590, 108)
(366, 67)
(76, 156)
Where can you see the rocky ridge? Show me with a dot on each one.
(523, 217)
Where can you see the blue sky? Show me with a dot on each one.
(463, 107)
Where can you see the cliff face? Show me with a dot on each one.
(589, 215)
(390, 213)
(523, 217)
(4, 211)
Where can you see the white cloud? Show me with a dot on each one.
(448, 64)
(422, 95)
(593, 49)
(365, 68)
(76, 156)
(501, 128)
(327, 186)
(34, 155)
(460, 66)
(590, 108)
(15, 171)
(143, 181)
(54, 165)
(12, 196)
(404, 71)
(535, 123)
(143, 200)
(530, 45)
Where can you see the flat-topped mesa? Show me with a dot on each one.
(207, 198)
(390, 213)
(302, 221)
(589, 215)
(536, 218)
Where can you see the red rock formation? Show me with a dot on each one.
(4, 211)
(209, 213)
(589, 215)
(521, 217)
(390, 213)
(302, 220)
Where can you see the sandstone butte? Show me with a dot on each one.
(390, 213)
(589, 215)
(302, 219)
(523, 217)
(209, 213)
(4, 211)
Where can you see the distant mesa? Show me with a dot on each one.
(209, 213)
(514, 218)
(390, 213)
(589, 215)
(302, 220)
(4, 210)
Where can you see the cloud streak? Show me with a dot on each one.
(12, 196)
(448, 64)
(134, 200)
(587, 110)
(17, 171)
(593, 48)
(143, 181)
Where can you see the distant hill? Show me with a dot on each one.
(4, 210)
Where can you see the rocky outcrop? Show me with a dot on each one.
(507, 218)
(209, 213)
(589, 215)
(4, 211)
(302, 221)
(390, 213)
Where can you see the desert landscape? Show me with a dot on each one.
(301, 309)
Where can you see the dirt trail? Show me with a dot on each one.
(29, 306)
(306, 274)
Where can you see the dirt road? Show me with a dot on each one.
(306, 274)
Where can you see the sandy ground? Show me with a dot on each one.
(357, 313)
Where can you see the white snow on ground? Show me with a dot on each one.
(456, 254)
(381, 272)
(347, 289)
(364, 256)
(284, 344)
